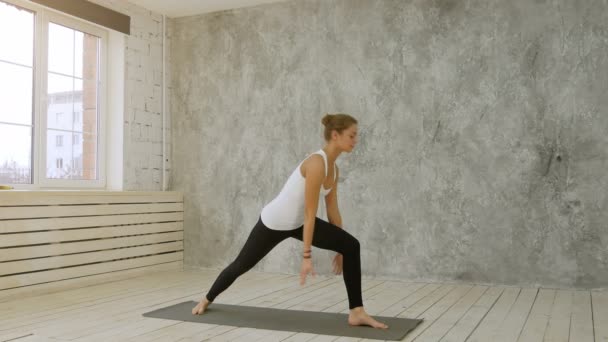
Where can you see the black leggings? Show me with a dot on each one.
(326, 236)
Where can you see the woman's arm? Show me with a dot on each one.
(331, 203)
(314, 172)
(333, 215)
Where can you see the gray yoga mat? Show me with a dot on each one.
(322, 323)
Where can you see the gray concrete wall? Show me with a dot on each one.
(484, 132)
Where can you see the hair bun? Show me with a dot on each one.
(326, 119)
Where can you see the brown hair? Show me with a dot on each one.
(336, 122)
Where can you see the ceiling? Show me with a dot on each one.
(182, 8)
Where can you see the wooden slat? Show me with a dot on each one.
(86, 246)
(558, 327)
(535, 327)
(436, 310)
(410, 300)
(446, 321)
(81, 271)
(336, 295)
(11, 213)
(171, 333)
(288, 293)
(426, 302)
(113, 312)
(13, 198)
(67, 236)
(581, 325)
(76, 283)
(495, 317)
(30, 265)
(599, 304)
(516, 318)
(463, 328)
(53, 236)
(85, 327)
(12, 226)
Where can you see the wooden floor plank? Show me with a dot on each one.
(18, 306)
(436, 310)
(135, 312)
(599, 302)
(409, 300)
(451, 313)
(300, 337)
(581, 325)
(114, 326)
(465, 326)
(208, 334)
(558, 327)
(446, 321)
(175, 332)
(427, 301)
(495, 317)
(386, 296)
(97, 314)
(39, 317)
(516, 318)
(534, 329)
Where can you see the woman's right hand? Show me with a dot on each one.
(305, 269)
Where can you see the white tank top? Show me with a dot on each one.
(286, 211)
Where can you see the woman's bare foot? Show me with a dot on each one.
(200, 308)
(358, 316)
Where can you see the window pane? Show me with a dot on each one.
(77, 123)
(71, 155)
(59, 83)
(15, 154)
(16, 85)
(60, 101)
(61, 49)
(72, 113)
(16, 35)
(78, 53)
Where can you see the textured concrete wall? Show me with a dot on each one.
(143, 124)
(484, 132)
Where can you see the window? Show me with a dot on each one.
(52, 85)
(77, 116)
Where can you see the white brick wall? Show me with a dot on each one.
(143, 99)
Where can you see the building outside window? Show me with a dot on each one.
(52, 69)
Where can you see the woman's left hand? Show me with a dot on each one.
(337, 264)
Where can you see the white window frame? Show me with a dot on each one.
(43, 16)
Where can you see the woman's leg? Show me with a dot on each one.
(329, 236)
(261, 240)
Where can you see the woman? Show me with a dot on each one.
(293, 214)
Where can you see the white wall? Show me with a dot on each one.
(143, 100)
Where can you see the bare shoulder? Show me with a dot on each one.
(313, 164)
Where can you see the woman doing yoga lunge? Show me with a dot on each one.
(292, 213)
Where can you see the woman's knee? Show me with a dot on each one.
(352, 246)
(356, 244)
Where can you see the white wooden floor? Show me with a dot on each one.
(451, 312)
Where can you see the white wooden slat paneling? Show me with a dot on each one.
(63, 236)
